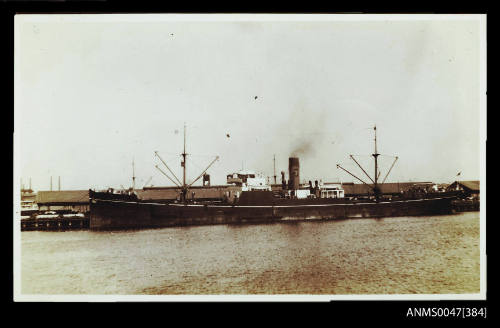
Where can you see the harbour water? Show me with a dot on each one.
(403, 255)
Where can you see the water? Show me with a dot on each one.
(358, 256)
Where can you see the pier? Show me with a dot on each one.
(60, 223)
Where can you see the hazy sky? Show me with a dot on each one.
(94, 92)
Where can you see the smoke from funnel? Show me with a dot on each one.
(304, 147)
(307, 126)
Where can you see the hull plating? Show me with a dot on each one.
(117, 214)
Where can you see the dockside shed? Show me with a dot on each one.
(63, 200)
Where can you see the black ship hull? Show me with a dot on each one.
(129, 214)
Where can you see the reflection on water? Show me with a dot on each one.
(358, 256)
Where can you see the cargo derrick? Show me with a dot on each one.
(376, 188)
(184, 187)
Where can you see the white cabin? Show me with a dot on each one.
(248, 181)
(331, 190)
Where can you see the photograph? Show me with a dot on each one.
(249, 157)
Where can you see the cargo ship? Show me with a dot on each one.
(249, 199)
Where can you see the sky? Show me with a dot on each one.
(94, 93)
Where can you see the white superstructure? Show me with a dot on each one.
(331, 190)
(248, 181)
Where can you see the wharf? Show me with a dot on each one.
(55, 224)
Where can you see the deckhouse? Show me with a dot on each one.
(248, 181)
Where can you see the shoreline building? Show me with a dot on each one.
(63, 201)
(28, 202)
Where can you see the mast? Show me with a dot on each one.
(274, 166)
(184, 189)
(375, 156)
(133, 174)
(376, 190)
